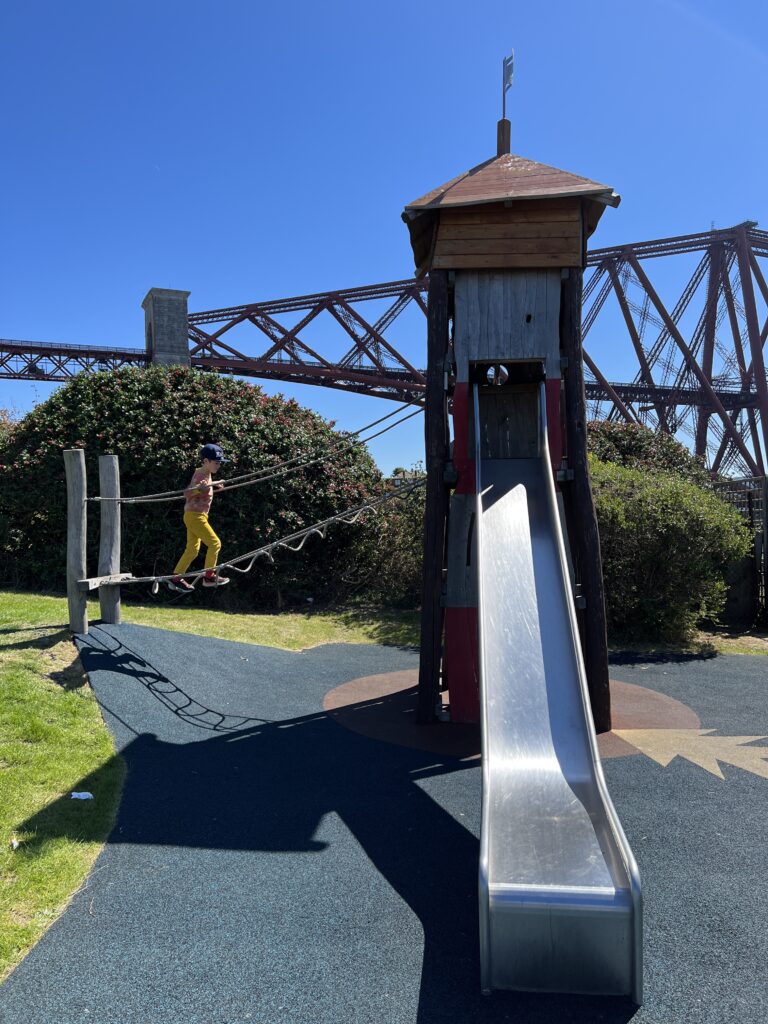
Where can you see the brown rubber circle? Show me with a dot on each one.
(383, 707)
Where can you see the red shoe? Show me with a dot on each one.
(180, 585)
(210, 579)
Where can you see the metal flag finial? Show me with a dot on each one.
(508, 72)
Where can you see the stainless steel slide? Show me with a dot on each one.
(560, 905)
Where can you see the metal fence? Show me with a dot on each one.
(750, 496)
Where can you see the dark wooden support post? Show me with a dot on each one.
(436, 511)
(109, 537)
(74, 467)
(585, 538)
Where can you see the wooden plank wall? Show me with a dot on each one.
(509, 422)
(540, 233)
(507, 316)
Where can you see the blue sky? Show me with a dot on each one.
(245, 152)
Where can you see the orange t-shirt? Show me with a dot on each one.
(199, 502)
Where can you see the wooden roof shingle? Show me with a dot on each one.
(509, 177)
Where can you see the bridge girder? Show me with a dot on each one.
(701, 373)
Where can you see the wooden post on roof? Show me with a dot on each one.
(109, 537)
(436, 502)
(77, 600)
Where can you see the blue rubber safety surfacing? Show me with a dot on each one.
(269, 865)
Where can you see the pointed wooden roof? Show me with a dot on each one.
(509, 177)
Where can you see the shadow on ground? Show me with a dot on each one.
(390, 628)
(60, 663)
(34, 638)
(656, 657)
(266, 785)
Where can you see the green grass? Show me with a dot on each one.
(293, 631)
(705, 642)
(52, 741)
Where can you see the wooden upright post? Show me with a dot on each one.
(436, 511)
(580, 506)
(109, 537)
(74, 467)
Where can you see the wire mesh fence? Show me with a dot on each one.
(750, 496)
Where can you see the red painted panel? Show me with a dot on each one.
(460, 664)
(464, 465)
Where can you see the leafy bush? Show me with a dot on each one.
(665, 542)
(390, 551)
(155, 420)
(665, 545)
(636, 447)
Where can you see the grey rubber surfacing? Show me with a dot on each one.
(269, 865)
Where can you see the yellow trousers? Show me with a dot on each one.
(198, 532)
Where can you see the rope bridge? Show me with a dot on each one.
(110, 579)
(320, 529)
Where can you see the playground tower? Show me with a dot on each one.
(513, 615)
(504, 246)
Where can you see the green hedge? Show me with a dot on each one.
(389, 553)
(636, 447)
(665, 544)
(665, 541)
(155, 420)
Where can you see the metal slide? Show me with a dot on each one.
(560, 904)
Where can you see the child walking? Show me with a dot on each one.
(199, 496)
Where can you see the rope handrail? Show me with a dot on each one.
(339, 444)
(288, 469)
(320, 529)
(270, 472)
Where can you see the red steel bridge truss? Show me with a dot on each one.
(699, 365)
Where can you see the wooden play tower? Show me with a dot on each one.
(505, 247)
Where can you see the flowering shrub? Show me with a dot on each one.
(636, 447)
(8, 419)
(665, 541)
(155, 420)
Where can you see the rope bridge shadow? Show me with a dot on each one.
(115, 656)
(266, 786)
